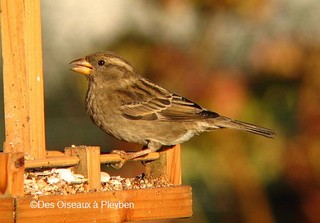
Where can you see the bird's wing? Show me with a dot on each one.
(184, 109)
(148, 101)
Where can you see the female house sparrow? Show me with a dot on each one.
(131, 108)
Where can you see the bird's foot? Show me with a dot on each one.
(124, 158)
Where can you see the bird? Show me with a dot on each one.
(131, 108)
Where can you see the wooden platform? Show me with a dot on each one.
(112, 206)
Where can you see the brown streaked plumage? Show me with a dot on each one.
(132, 108)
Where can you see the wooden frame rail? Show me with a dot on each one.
(59, 159)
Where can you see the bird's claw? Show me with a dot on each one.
(124, 158)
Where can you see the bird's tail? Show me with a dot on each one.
(224, 122)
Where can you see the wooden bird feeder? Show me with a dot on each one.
(25, 137)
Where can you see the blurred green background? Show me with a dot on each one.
(253, 60)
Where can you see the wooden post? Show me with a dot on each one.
(22, 77)
(11, 174)
(168, 165)
(89, 165)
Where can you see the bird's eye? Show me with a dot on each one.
(101, 62)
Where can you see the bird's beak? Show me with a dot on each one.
(81, 66)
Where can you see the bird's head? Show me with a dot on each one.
(103, 66)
